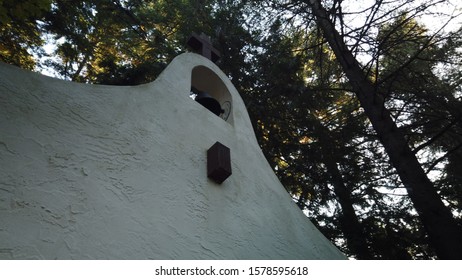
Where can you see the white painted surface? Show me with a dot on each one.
(104, 172)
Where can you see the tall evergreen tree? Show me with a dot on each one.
(444, 232)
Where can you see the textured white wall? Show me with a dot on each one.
(104, 172)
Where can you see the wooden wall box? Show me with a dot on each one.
(218, 162)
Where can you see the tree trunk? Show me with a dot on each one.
(444, 232)
(349, 222)
(351, 227)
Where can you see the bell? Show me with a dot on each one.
(209, 102)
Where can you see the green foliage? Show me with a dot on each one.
(120, 42)
(11, 10)
(19, 30)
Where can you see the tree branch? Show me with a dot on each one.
(430, 168)
(435, 137)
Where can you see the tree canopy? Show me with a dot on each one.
(358, 108)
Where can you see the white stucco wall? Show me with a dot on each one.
(105, 172)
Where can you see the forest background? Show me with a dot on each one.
(357, 105)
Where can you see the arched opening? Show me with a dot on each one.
(204, 80)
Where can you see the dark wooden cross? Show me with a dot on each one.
(202, 45)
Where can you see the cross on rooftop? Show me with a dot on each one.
(202, 45)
